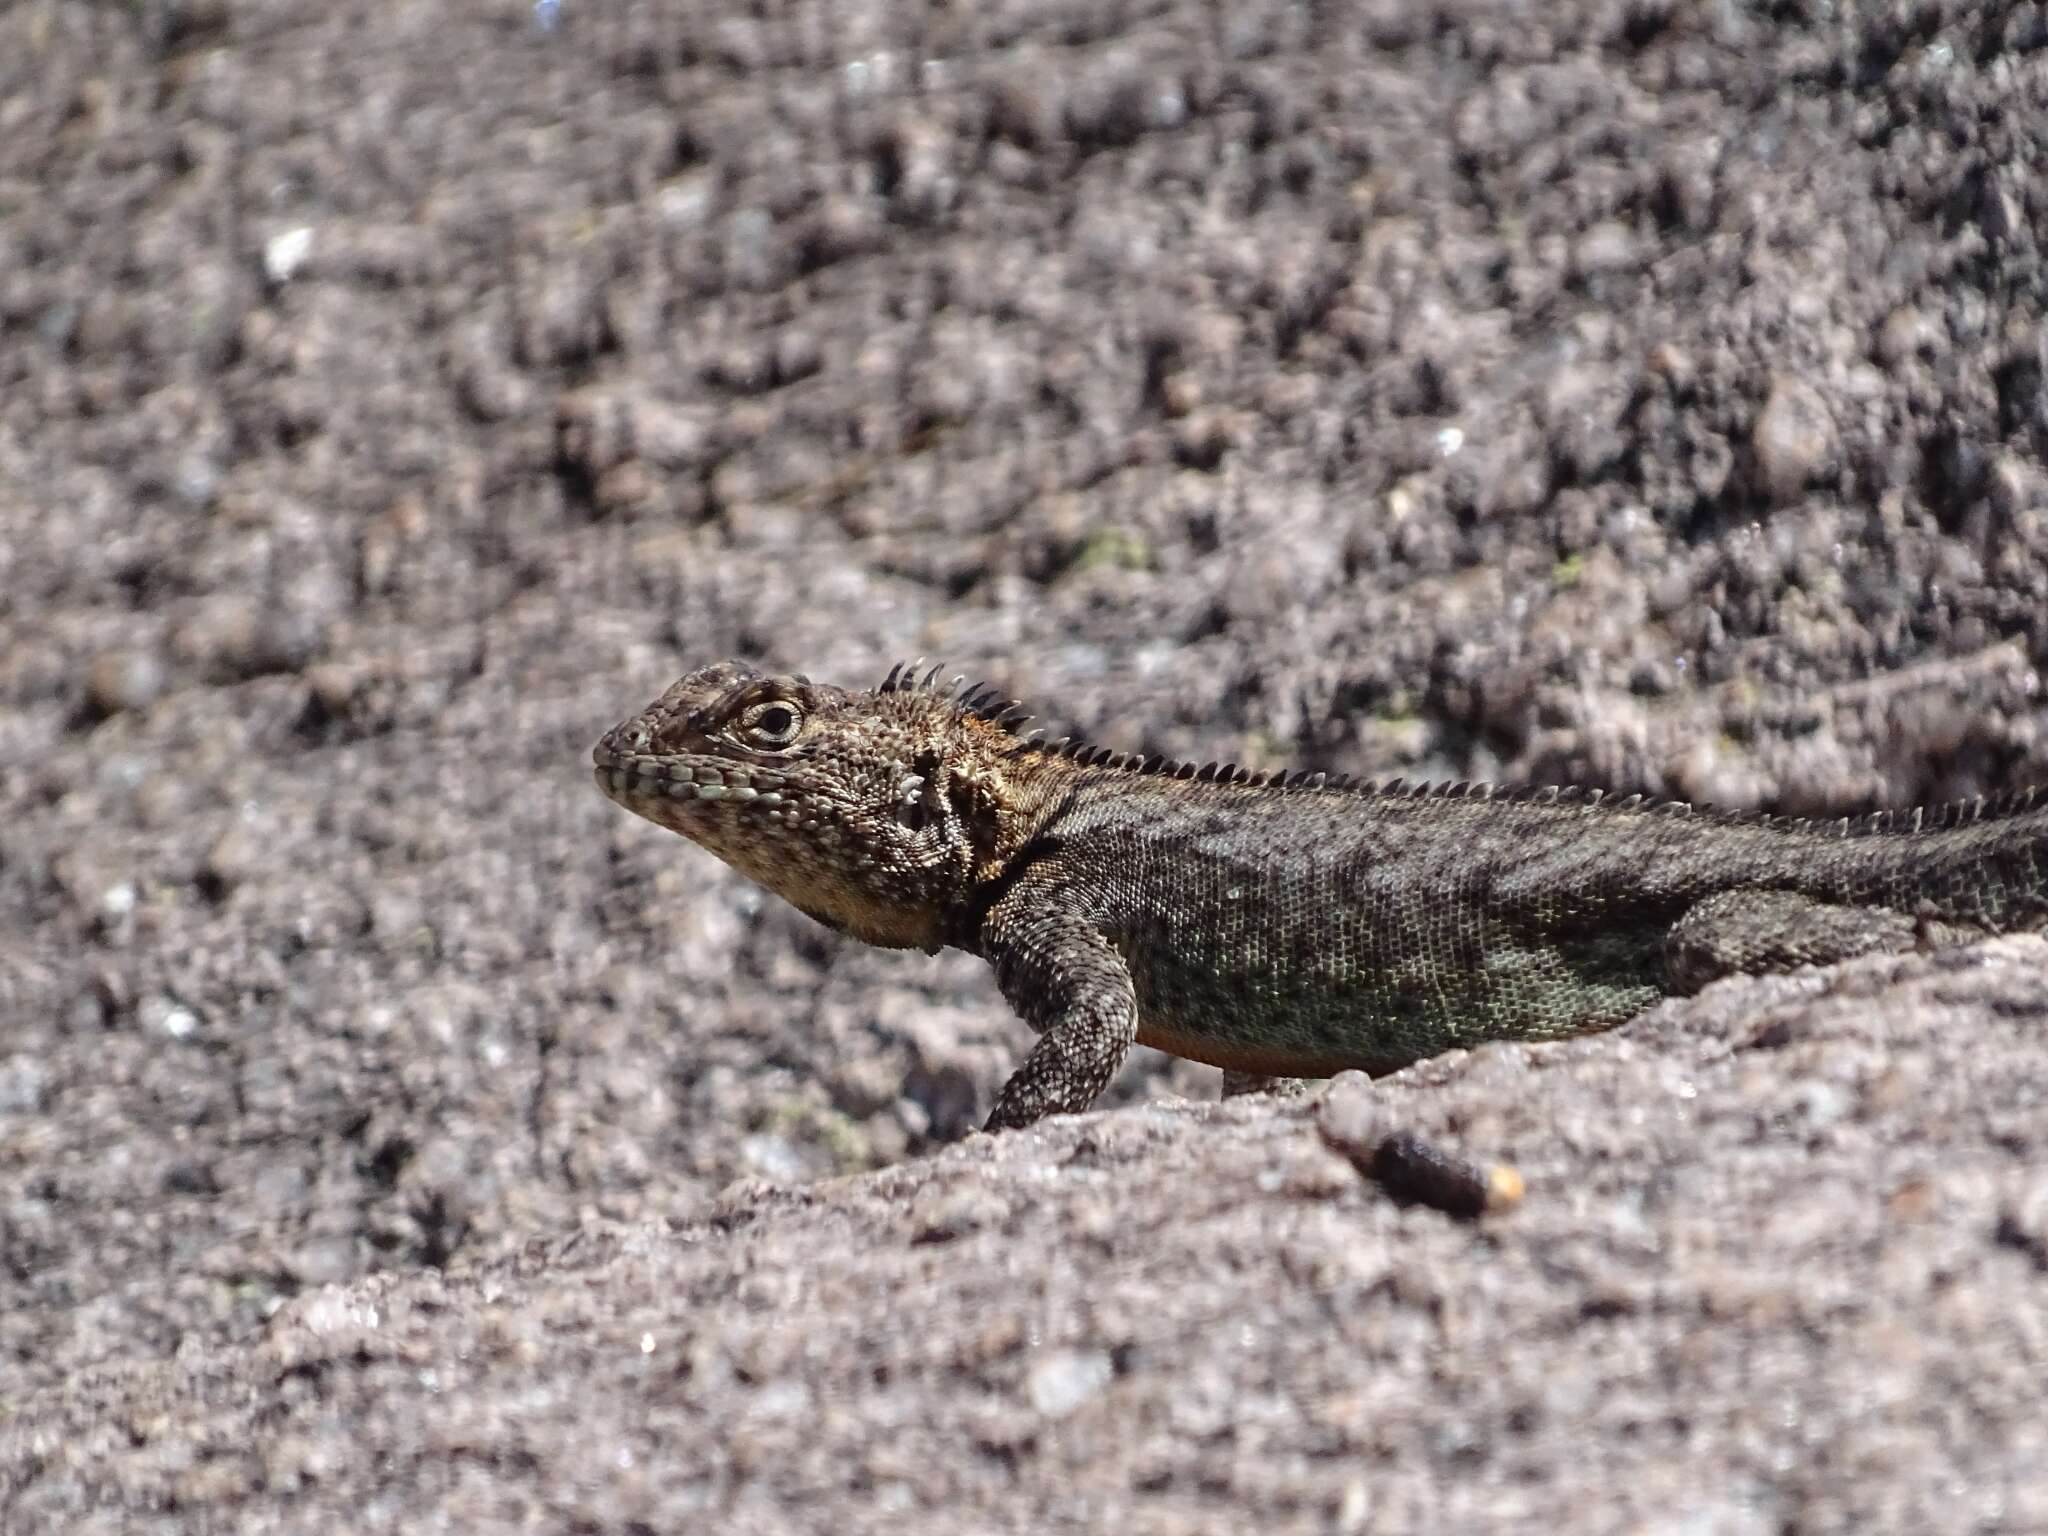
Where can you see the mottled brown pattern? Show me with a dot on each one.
(1276, 925)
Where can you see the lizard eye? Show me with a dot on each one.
(774, 724)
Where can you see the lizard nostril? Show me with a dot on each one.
(620, 741)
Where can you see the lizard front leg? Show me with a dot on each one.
(1060, 972)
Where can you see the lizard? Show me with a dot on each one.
(1282, 926)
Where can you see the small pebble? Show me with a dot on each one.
(1066, 1378)
(285, 253)
(123, 680)
(161, 1016)
(2023, 1222)
(1793, 439)
(230, 861)
(796, 356)
(1201, 440)
(1905, 334)
(24, 1084)
(331, 687)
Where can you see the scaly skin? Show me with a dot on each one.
(1276, 927)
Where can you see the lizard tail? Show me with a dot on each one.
(1980, 862)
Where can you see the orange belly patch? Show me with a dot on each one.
(1269, 1060)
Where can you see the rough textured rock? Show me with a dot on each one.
(392, 396)
(1778, 1268)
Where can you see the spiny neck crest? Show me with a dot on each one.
(982, 702)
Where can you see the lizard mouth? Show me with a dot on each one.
(636, 781)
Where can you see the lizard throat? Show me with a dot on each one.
(761, 823)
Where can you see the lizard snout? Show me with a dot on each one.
(630, 737)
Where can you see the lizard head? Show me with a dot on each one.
(872, 811)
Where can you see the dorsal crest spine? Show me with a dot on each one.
(984, 702)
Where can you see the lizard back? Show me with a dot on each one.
(1300, 931)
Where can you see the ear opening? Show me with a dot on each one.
(977, 813)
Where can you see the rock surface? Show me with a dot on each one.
(392, 396)
(1780, 1267)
